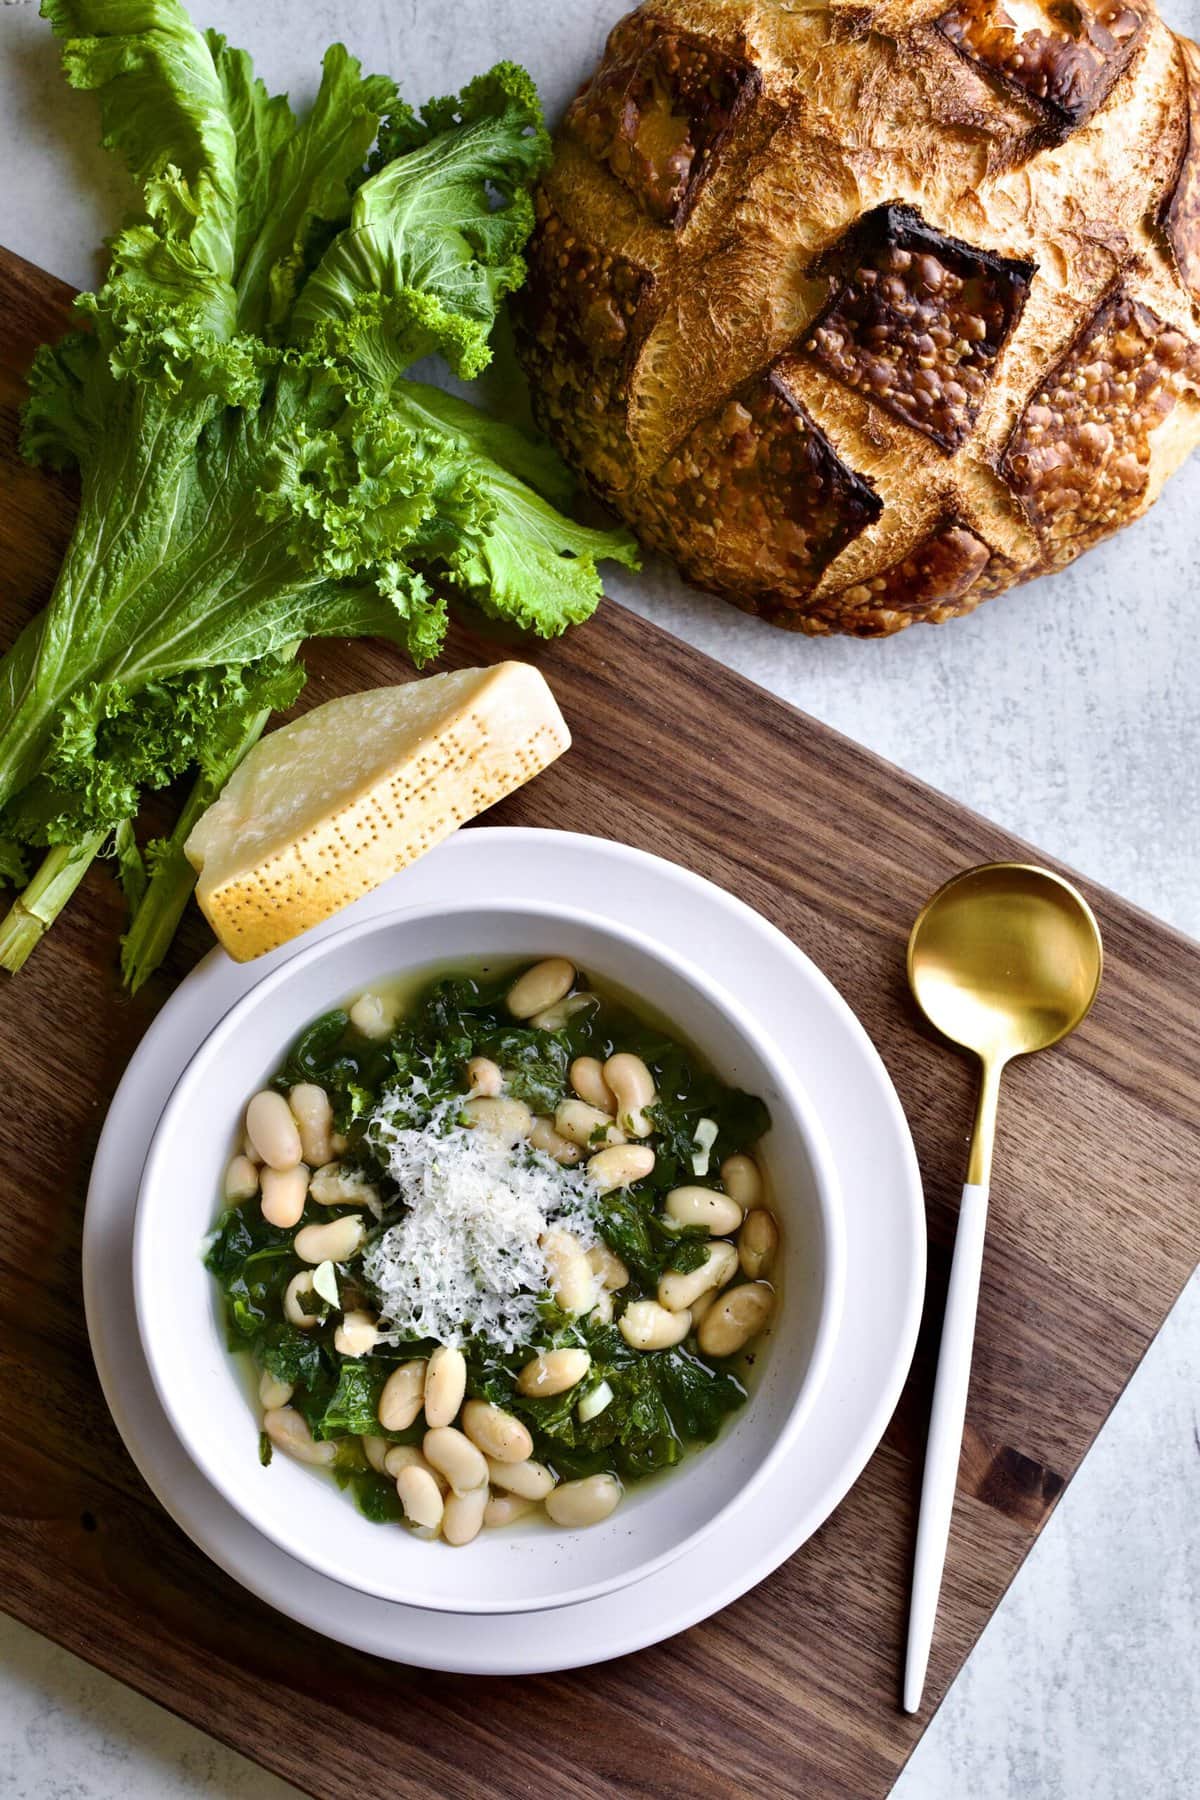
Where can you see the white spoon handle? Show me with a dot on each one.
(945, 1436)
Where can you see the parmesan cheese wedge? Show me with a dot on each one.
(323, 810)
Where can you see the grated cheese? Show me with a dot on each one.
(464, 1261)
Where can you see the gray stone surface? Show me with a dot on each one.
(1066, 711)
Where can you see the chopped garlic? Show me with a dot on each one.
(705, 1138)
(325, 1282)
(593, 1404)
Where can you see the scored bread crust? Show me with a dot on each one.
(323, 810)
(866, 310)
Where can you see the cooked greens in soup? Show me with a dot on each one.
(501, 1249)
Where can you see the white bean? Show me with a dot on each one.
(620, 1167)
(758, 1240)
(645, 1325)
(553, 1018)
(737, 1316)
(505, 1509)
(742, 1180)
(586, 1125)
(633, 1086)
(608, 1266)
(553, 1372)
(587, 1078)
(456, 1456)
(494, 1431)
(375, 1449)
(528, 1480)
(602, 1312)
(241, 1180)
(284, 1192)
(542, 986)
(336, 1242)
(314, 1118)
(248, 1150)
(288, 1431)
(700, 1306)
(462, 1519)
(298, 1288)
(484, 1077)
(419, 1496)
(334, 1186)
(372, 1015)
(585, 1502)
(403, 1395)
(407, 1456)
(272, 1130)
(272, 1392)
(544, 1137)
(445, 1385)
(717, 1213)
(357, 1334)
(678, 1292)
(509, 1120)
(571, 1280)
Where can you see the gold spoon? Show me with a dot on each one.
(1005, 959)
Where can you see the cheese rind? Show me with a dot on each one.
(328, 807)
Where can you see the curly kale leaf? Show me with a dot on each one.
(256, 468)
(109, 745)
(290, 1355)
(661, 1402)
(436, 233)
(632, 1225)
(294, 179)
(252, 1261)
(352, 1409)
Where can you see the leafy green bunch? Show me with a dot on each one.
(257, 466)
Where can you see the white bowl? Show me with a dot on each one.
(205, 1391)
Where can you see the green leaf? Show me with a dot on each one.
(294, 180)
(698, 1396)
(14, 865)
(438, 230)
(131, 866)
(163, 108)
(262, 124)
(290, 1355)
(171, 876)
(522, 560)
(376, 1498)
(631, 1225)
(252, 1262)
(107, 744)
(238, 497)
(353, 1407)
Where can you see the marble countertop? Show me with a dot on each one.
(1066, 711)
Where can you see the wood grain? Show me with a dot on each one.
(793, 1690)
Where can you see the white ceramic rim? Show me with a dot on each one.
(669, 1602)
(273, 1522)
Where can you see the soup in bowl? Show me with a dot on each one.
(486, 1258)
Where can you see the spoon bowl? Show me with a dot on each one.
(1005, 959)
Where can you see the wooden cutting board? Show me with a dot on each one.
(793, 1690)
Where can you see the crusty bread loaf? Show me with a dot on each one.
(324, 809)
(865, 310)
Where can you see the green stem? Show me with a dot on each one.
(32, 913)
(156, 919)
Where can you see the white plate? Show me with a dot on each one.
(885, 1263)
